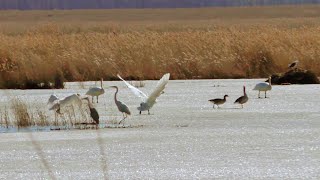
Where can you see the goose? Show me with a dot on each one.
(242, 99)
(263, 86)
(148, 101)
(219, 101)
(96, 91)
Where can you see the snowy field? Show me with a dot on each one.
(183, 138)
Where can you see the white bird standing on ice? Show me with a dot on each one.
(148, 101)
(73, 99)
(96, 91)
(263, 86)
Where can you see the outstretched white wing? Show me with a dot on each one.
(52, 99)
(159, 88)
(135, 90)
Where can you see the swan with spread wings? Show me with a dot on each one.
(148, 101)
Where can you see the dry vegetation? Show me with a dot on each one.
(20, 114)
(42, 46)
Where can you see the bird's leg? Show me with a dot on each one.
(122, 119)
(265, 94)
(140, 112)
(259, 95)
(97, 99)
(125, 116)
(92, 98)
(58, 111)
(148, 112)
(213, 107)
(242, 106)
(56, 118)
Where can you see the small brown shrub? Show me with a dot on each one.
(21, 114)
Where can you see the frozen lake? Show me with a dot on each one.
(183, 138)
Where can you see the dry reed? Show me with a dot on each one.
(21, 113)
(207, 47)
(5, 117)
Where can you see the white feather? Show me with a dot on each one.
(52, 99)
(159, 88)
(73, 99)
(135, 90)
(149, 101)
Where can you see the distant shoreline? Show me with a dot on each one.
(138, 4)
(13, 6)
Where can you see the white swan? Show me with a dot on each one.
(96, 91)
(73, 99)
(148, 101)
(264, 86)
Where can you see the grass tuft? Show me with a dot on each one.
(21, 113)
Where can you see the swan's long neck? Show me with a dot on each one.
(244, 91)
(115, 94)
(270, 81)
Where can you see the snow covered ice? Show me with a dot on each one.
(183, 138)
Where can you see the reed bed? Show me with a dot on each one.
(24, 114)
(206, 48)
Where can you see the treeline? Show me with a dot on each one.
(109, 4)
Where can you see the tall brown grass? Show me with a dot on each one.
(203, 48)
(21, 113)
